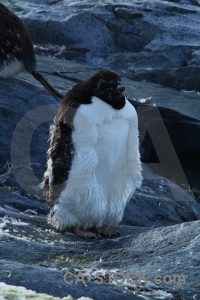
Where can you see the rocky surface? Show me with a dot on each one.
(180, 162)
(157, 41)
(17, 292)
(36, 257)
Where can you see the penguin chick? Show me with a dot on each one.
(93, 161)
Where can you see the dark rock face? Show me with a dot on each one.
(185, 78)
(169, 144)
(24, 123)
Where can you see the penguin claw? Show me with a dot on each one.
(107, 231)
(95, 233)
(84, 233)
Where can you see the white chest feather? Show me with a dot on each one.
(106, 168)
(10, 69)
(111, 149)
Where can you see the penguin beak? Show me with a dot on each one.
(117, 92)
(112, 91)
(120, 89)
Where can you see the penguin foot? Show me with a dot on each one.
(107, 231)
(84, 233)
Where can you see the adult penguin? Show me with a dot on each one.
(16, 50)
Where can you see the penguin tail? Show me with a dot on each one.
(48, 87)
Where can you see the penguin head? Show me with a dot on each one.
(106, 85)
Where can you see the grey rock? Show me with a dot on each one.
(161, 202)
(20, 116)
(22, 203)
(185, 78)
(155, 35)
(158, 149)
(160, 228)
(51, 282)
(2, 212)
(26, 118)
(42, 257)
